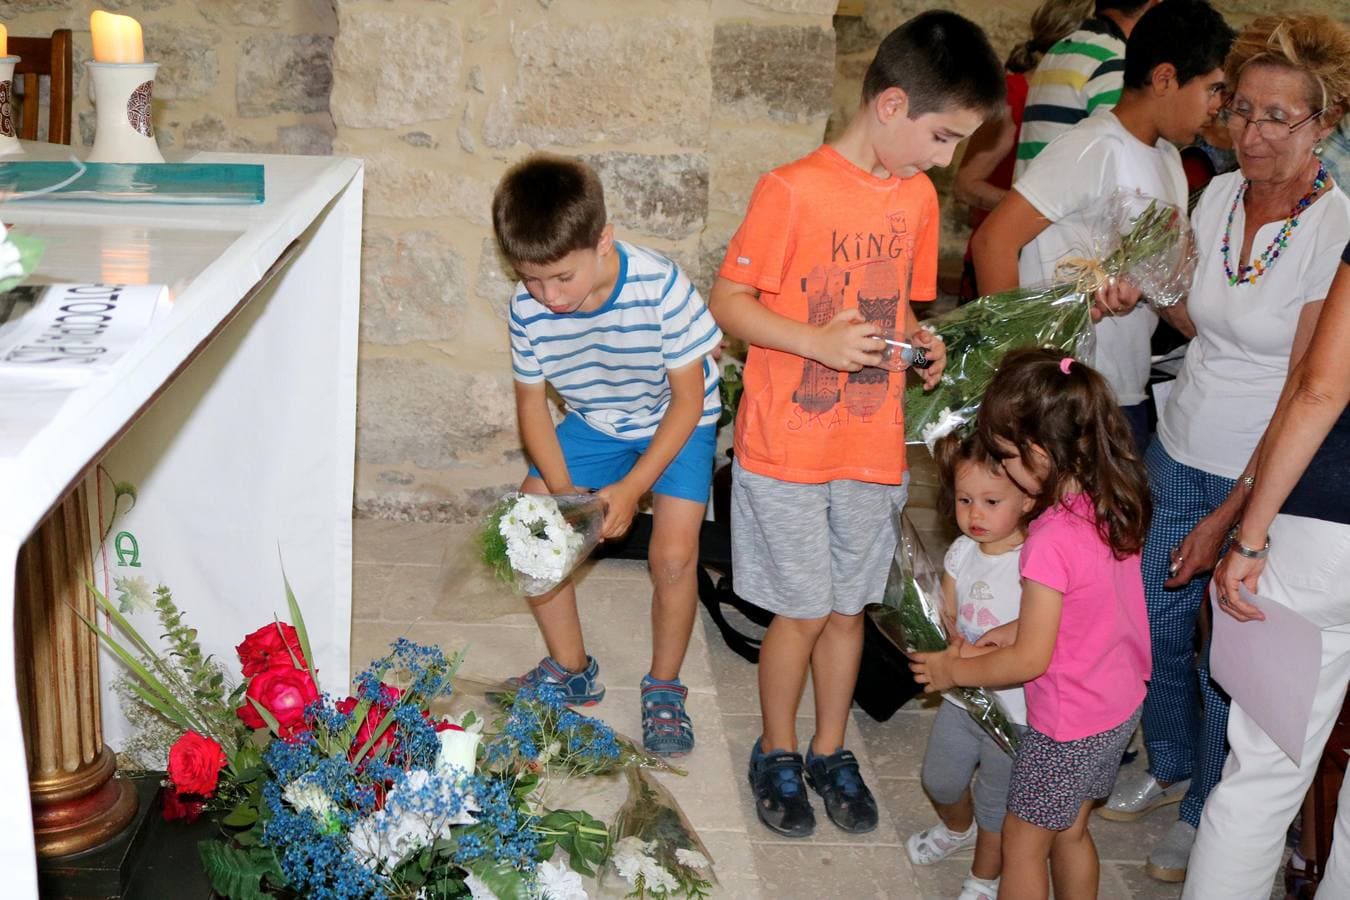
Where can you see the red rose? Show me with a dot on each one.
(374, 716)
(270, 647)
(282, 692)
(195, 762)
(176, 808)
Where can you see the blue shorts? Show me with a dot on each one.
(595, 459)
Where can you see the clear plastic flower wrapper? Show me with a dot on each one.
(1132, 237)
(656, 852)
(910, 615)
(533, 542)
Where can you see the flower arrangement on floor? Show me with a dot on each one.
(910, 615)
(373, 795)
(532, 542)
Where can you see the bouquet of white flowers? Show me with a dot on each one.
(534, 541)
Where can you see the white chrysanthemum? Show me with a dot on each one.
(656, 878)
(307, 796)
(947, 422)
(691, 858)
(557, 882)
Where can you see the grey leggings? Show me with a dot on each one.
(956, 748)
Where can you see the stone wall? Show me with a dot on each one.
(679, 105)
(248, 75)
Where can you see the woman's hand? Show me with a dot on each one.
(935, 671)
(1115, 298)
(1233, 570)
(1199, 550)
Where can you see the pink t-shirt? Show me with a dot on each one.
(1101, 660)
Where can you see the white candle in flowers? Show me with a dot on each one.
(117, 39)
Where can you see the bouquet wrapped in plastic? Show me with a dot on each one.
(532, 542)
(910, 615)
(656, 852)
(1132, 237)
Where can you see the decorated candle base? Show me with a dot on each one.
(9, 139)
(123, 130)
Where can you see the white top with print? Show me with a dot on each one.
(988, 594)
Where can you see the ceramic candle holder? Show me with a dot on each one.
(123, 130)
(9, 138)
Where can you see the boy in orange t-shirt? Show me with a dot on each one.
(832, 249)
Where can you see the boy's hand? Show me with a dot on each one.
(935, 670)
(847, 342)
(1004, 635)
(1115, 298)
(936, 351)
(621, 505)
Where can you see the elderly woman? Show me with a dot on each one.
(1293, 547)
(1269, 237)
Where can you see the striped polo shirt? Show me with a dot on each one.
(1076, 77)
(609, 365)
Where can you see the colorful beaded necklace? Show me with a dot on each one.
(1248, 274)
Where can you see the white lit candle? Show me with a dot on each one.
(4, 41)
(117, 39)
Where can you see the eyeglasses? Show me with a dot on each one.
(1273, 130)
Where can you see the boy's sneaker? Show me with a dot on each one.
(937, 843)
(578, 688)
(848, 802)
(780, 793)
(666, 729)
(979, 889)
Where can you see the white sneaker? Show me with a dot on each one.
(937, 843)
(1169, 859)
(979, 889)
(1138, 794)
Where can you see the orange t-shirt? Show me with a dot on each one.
(822, 235)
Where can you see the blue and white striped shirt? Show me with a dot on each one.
(610, 365)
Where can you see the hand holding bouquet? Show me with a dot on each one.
(534, 541)
(910, 615)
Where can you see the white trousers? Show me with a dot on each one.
(1241, 837)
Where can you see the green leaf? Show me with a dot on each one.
(267, 717)
(299, 622)
(506, 882)
(238, 874)
(241, 816)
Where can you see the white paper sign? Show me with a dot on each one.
(1269, 667)
(76, 331)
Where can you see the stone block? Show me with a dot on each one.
(742, 153)
(12, 9)
(427, 505)
(284, 73)
(622, 80)
(406, 182)
(413, 288)
(188, 66)
(311, 15)
(306, 139)
(494, 283)
(410, 410)
(780, 72)
(396, 68)
(126, 7)
(803, 7)
(419, 139)
(664, 195)
(211, 132)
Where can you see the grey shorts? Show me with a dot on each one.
(957, 748)
(1051, 779)
(807, 550)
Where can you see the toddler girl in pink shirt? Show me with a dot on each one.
(1081, 643)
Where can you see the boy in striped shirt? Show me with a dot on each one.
(1077, 76)
(626, 341)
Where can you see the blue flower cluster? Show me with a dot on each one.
(539, 718)
(503, 833)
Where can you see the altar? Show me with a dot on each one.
(233, 417)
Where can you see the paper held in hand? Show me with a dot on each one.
(1270, 668)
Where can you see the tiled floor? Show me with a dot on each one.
(401, 588)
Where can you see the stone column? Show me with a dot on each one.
(78, 803)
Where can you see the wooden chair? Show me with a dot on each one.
(49, 56)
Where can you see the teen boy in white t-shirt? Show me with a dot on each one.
(1173, 87)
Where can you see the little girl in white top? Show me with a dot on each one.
(981, 590)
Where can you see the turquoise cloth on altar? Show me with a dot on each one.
(188, 183)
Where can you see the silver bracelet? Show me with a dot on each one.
(1242, 549)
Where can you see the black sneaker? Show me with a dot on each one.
(780, 794)
(848, 802)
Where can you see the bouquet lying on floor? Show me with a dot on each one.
(1152, 248)
(910, 615)
(378, 796)
(532, 542)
